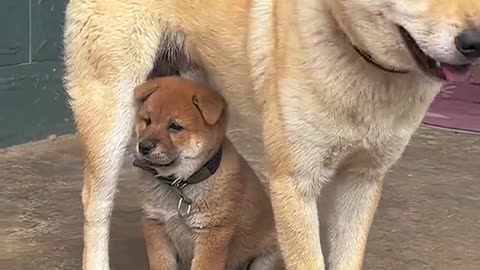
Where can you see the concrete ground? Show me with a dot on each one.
(429, 216)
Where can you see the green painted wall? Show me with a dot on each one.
(32, 98)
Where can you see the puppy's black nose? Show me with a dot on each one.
(468, 43)
(146, 147)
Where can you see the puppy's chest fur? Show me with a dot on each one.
(161, 202)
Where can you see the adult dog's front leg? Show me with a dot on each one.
(351, 204)
(296, 219)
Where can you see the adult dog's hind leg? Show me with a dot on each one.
(351, 203)
(107, 54)
(104, 126)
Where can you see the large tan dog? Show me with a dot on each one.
(340, 85)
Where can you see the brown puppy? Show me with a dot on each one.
(205, 205)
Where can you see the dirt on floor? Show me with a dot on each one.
(429, 215)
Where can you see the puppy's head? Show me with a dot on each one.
(437, 37)
(179, 125)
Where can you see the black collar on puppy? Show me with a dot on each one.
(207, 170)
(372, 61)
(178, 185)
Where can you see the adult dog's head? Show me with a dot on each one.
(438, 37)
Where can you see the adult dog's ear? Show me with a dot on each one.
(210, 104)
(144, 90)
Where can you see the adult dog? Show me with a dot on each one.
(341, 85)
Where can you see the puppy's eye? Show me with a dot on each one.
(148, 121)
(175, 128)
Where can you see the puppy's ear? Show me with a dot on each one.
(210, 104)
(144, 90)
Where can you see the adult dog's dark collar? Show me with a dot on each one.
(372, 61)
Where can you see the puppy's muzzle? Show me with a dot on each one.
(156, 153)
(146, 147)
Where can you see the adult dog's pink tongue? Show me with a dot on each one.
(452, 75)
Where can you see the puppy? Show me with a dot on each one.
(203, 203)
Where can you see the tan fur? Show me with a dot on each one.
(231, 221)
(332, 124)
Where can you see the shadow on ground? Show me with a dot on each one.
(428, 217)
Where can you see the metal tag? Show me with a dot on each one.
(178, 186)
